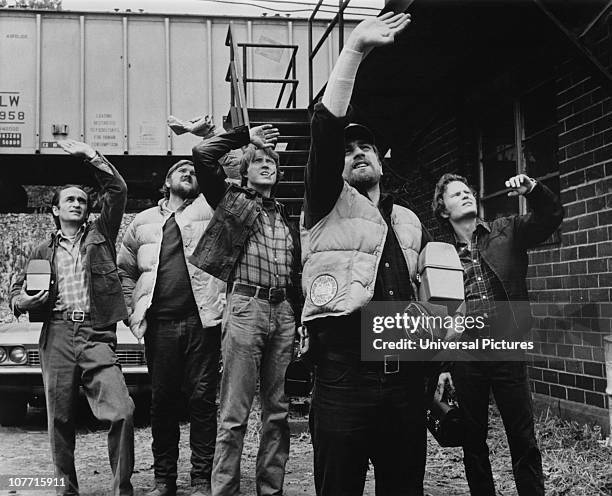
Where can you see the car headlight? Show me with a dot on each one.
(3, 355)
(18, 354)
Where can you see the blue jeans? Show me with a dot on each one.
(183, 361)
(257, 343)
(510, 386)
(359, 414)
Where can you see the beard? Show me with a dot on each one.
(185, 192)
(363, 182)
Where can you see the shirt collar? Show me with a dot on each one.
(481, 226)
(60, 236)
(163, 205)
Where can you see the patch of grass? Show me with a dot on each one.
(575, 460)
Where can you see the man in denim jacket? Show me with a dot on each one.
(250, 245)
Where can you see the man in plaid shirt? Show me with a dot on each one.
(81, 309)
(494, 259)
(249, 244)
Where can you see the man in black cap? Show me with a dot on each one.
(358, 246)
(177, 308)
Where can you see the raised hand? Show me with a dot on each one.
(77, 148)
(199, 126)
(520, 184)
(378, 31)
(264, 136)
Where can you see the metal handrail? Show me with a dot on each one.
(238, 98)
(291, 69)
(338, 19)
(237, 76)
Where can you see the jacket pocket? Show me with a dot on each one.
(105, 278)
(234, 204)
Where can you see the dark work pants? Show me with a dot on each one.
(359, 414)
(183, 359)
(510, 386)
(76, 353)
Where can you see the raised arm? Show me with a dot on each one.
(206, 155)
(323, 178)
(113, 188)
(546, 212)
(369, 34)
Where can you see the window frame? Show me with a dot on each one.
(519, 144)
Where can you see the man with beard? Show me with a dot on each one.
(358, 246)
(179, 306)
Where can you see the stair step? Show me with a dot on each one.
(286, 139)
(287, 128)
(293, 153)
(291, 183)
(267, 115)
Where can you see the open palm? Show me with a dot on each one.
(379, 31)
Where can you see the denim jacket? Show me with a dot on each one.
(98, 253)
(236, 209)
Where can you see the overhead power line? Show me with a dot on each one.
(309, 9)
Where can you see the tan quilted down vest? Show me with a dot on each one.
(341, 253)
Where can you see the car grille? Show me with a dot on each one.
(33, 357)
(126, 357)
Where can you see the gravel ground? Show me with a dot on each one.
(25, 451)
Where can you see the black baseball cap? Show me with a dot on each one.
(356, 131)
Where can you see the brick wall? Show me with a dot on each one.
(570, 281)
(572, 284)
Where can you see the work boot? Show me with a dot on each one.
(201, 489)
(163, 489)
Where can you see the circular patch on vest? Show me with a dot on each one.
(323, 289)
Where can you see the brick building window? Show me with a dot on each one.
(518, 137)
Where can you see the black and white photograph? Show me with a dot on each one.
(306, 247)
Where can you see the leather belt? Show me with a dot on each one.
(71, 315)
(390, 364)
(273, 295)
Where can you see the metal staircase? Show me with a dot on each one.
(293, 123)
(292, 148)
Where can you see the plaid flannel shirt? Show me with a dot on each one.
(267, 256)
(72, 281)
(481, 284)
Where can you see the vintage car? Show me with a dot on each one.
(21, 377)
